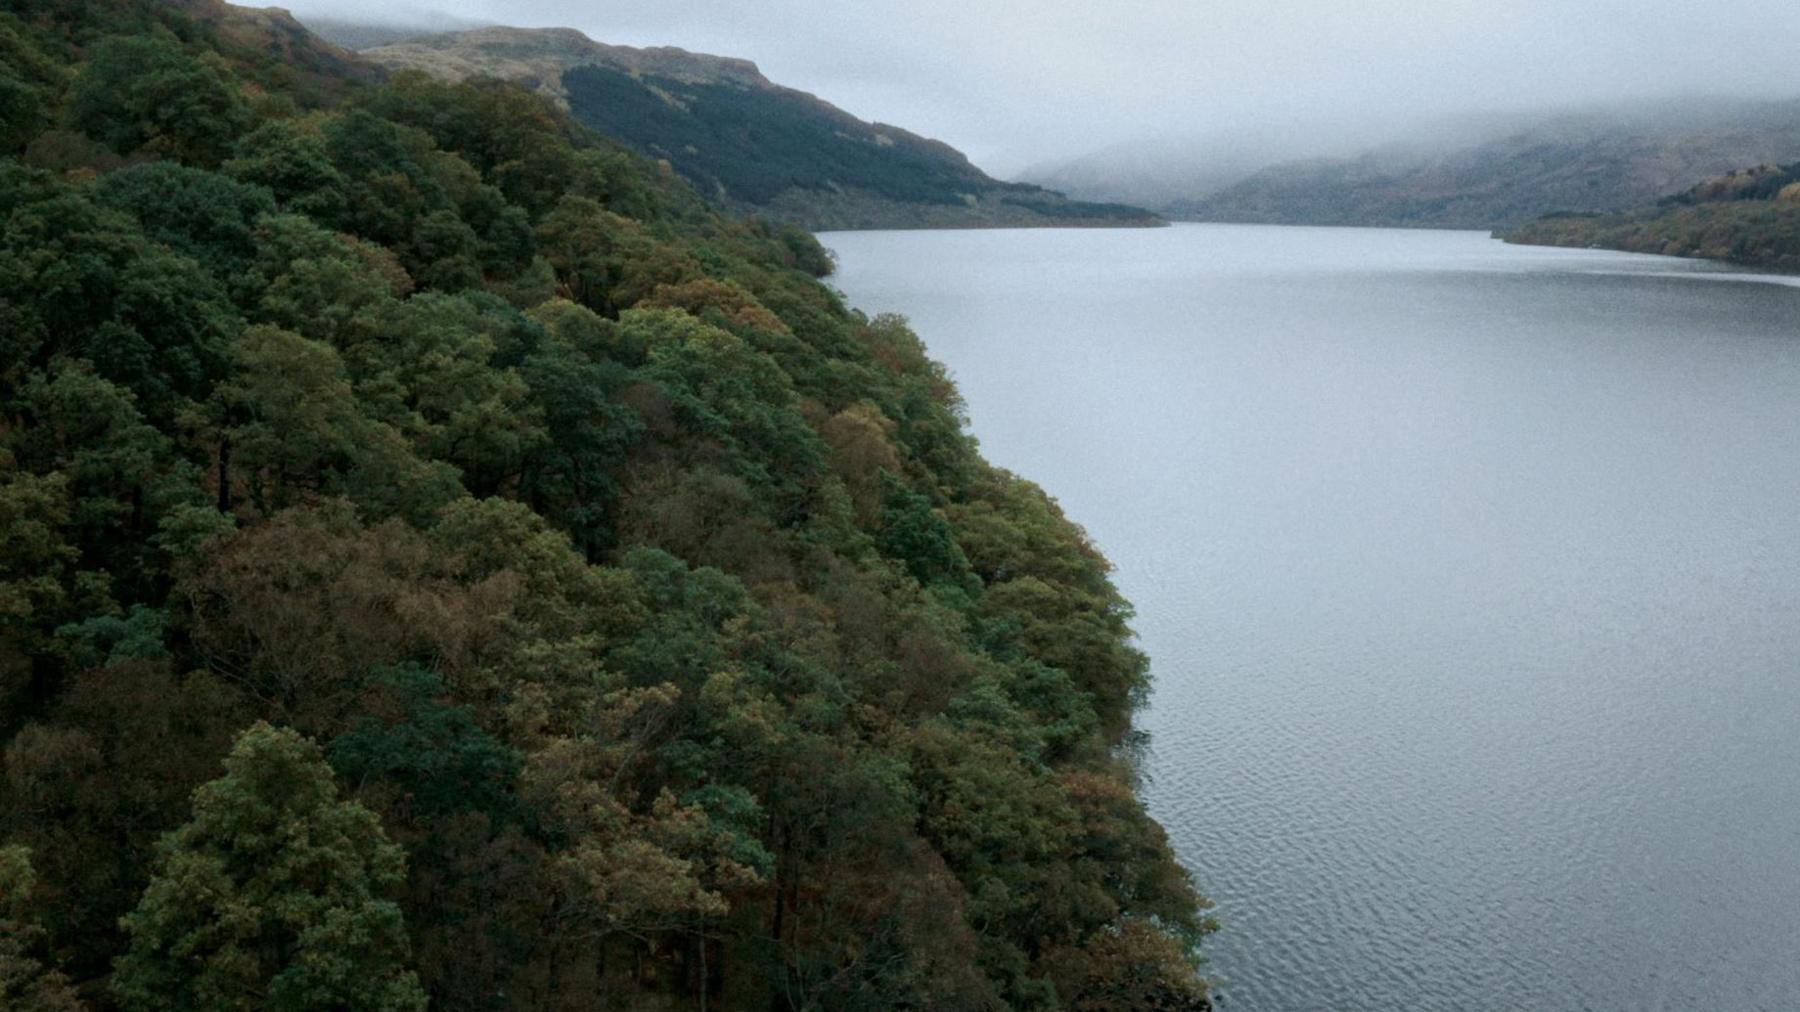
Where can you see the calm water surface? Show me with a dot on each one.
(1470, 574)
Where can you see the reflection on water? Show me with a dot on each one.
(1470, 574)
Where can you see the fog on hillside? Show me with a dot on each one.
(1017, 89)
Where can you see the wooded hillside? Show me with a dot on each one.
(443, 560)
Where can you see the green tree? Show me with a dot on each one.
(26, 984)
(147, 93)
(922, 540)
(270, 896)
(110, 775)
(21, 113)
(290, 162)
(388, 168)
(435, 755)
(440, 369)
(291, 417)
(573, 478)
(313, 281)
(204, 215)
(41, 585)
(123, 474)
(589, 247)
(80, 280)
(727, 393)
(30, 80)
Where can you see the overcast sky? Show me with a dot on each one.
(1014, 83)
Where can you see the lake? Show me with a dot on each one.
(1470, 575)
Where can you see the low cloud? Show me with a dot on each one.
(1015, 84)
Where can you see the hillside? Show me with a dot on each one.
(1750, 217)
(385, 26)
(445, 562)
(747, 142)
(1590, 162)
(1491, 170)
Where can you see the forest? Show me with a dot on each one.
(445, 562)
(1750, 217)
(755, 143)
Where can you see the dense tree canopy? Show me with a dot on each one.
(444, 560)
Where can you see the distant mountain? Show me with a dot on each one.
(747, 142)
(1481, 171)
(1590, 162)
(1751, 216)
(1159, 171)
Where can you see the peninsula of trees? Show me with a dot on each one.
(446, 562)
(1749, 217)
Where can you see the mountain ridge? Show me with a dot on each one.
(1482, 170)
(522, 53)
(1580, 162)
(752, 144)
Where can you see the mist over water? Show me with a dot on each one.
(1469, 574)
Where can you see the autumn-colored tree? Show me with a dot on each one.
(1132, 966)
